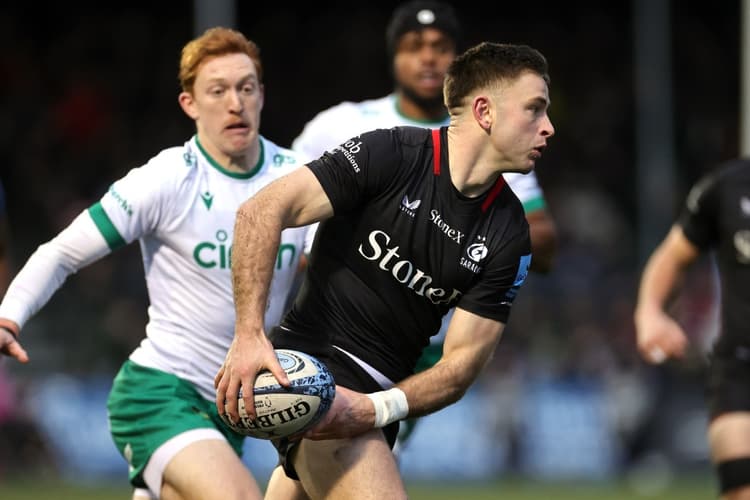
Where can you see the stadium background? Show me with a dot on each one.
(89, 92)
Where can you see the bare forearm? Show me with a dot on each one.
(447, 381)
(434, 389)
(664, 271)
(354, 413)
(257, 233)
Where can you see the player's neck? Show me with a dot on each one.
(242, 163)
(474, 168)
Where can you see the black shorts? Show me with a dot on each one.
(346, 373)
(728, 386)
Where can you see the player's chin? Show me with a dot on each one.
(239, 144)
(427, 93)
(523, 167)
(530, 162)
(430, 92)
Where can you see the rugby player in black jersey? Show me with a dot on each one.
(414, 222)
(716, 217)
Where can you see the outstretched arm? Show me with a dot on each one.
(659, 336)
(75, 247)
(296, 199)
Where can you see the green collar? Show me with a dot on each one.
(236, 175)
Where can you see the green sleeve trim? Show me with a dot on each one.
(534, 204)
(105, 226)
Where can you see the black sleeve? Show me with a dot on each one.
(506, 271)
(698, 216)
(358, 169)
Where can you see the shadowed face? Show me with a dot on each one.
(421, 61)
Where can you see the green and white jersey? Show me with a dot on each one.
(181, 207)
(337, 124)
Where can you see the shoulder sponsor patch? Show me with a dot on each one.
(523, 271)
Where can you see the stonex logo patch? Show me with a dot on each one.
(454, 234)
(403, 270)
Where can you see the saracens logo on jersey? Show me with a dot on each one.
(475, 252)
(402, 270)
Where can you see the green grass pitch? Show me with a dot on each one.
(693, 488)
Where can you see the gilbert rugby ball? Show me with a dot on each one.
(283, 411)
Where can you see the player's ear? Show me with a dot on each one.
(262, 99)
(480, 108)
(188, 104)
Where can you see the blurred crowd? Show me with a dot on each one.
(85, 100)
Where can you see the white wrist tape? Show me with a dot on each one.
(390, 406)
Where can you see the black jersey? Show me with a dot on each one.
(404, 246)
(717, 216)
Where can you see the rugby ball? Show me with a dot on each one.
(282, 411)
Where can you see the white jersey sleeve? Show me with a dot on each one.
(131, 207)
(526, 188)
(147, 199)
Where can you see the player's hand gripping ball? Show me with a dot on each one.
(284, 411)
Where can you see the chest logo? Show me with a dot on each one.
(452, 233)
(476, 252)
(403, 270)
(409, 207)
(208, 199)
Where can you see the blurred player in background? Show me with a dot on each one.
(181, 207)
(414, 222)
(422, 38)
(716, 217)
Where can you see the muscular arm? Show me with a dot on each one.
(469, 345)
(543, 240)
(659, 336)
(294, 200)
